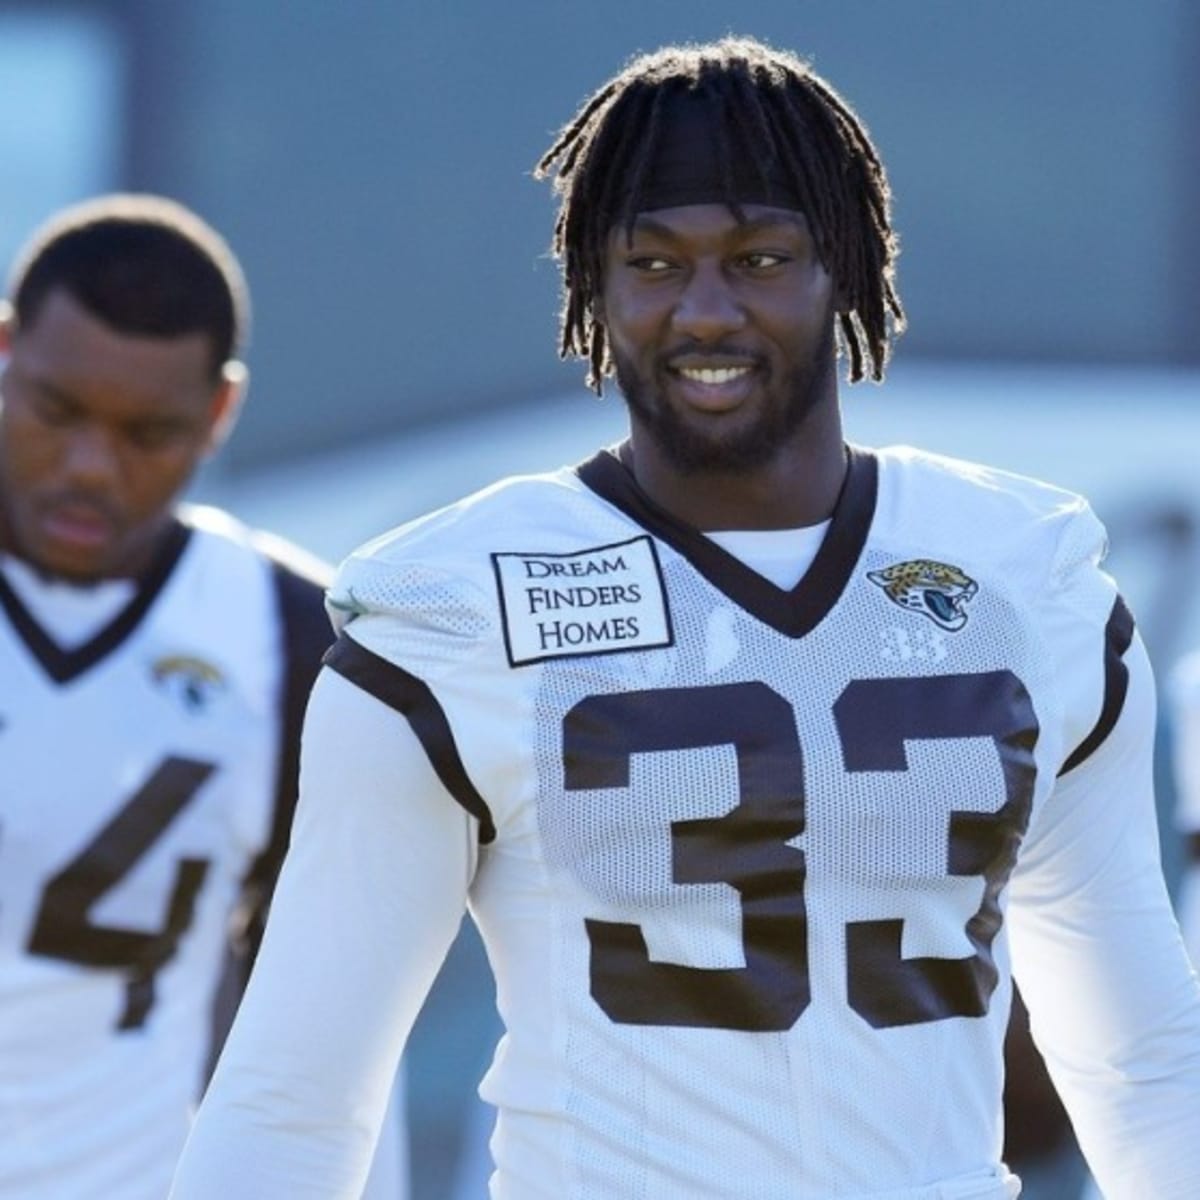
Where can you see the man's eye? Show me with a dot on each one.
(761, 260)
(649, 263)
(152, 437)
(52, 411)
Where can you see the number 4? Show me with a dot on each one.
(62, 929)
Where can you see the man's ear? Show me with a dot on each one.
(227, 402)
(8, 319)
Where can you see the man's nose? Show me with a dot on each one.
(707, 307)
(90, 456)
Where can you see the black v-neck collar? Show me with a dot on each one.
(795, 611)
(64, 665)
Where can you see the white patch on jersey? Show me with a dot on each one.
(721, 644)
(901, 645)
(596, 601)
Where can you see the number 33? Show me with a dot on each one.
(748, 847)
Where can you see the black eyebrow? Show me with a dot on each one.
(51, 389)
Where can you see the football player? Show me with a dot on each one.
(762, 761)
(154, 664)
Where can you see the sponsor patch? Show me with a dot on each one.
(602, 600)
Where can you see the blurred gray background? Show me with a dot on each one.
(370, 162)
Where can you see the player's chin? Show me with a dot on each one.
(731, 448)
(79, 564)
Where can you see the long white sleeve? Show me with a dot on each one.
(370, 897)
(1115, 1007)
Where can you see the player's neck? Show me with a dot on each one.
(798, 486)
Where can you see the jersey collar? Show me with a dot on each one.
(793, 612)
(64, 665)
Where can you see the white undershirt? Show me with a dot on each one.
(780, 555)
(70, 614)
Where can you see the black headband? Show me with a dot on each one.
(688, 165)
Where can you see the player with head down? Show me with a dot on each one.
(762, 761)
(154, 663)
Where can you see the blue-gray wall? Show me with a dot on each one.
(370, 161)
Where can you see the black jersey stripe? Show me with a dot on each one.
(64, 665)
(1118, 634)
(412, 697)
(305, 635)
(1192, 847)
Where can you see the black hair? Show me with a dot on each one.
(758, 95)
(142, 264)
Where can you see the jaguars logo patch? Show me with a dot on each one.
(937, 590)
(192, 681)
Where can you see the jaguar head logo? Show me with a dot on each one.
(937, 590)
(192, 681)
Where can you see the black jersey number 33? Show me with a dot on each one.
(749, 846)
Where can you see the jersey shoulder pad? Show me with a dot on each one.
(305, 568)
(1016, 522)
(280, 553)
(429, 571)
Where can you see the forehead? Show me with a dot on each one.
(68, 345)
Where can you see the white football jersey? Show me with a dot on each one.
(752, 862)
(142, 789)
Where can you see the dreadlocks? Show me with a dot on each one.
(763, 106)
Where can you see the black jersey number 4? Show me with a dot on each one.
(63, 929)
(748, 847)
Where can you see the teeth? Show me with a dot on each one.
(713, 375)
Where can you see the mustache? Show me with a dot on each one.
(78, 498)
(697, 349)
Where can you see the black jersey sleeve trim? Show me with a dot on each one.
(1192, 848)
(413, 698)
(1118, 634)
(304, 635)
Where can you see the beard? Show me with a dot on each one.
(691, 450)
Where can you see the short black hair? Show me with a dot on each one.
(142, 264)
(757, 94)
